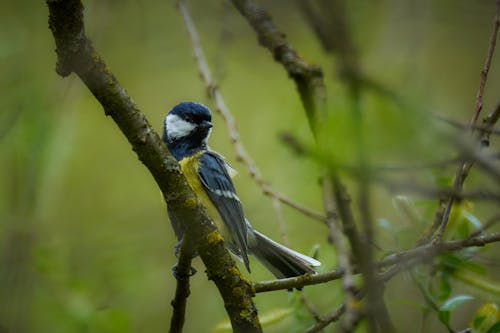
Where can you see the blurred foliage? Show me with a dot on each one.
(85, 241)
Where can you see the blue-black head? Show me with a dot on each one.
(187, 128)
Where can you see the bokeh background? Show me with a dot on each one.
(85, 243)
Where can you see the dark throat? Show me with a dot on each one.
(182, 148)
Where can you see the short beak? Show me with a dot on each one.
(205, 124)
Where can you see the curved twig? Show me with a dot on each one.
(221, 108)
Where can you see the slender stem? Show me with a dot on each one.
(182, 272)
(463, 169)
(409, 257)
(223, 110)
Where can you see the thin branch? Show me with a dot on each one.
(182, 272)
(296, 282)
(488, 224)
(221, 108)
(280, 221)
(309, 81)
(336, 237)
(335, 315)
(308, 78)
(310, 307)
(444, 210)
(461, 126)
(409, 258)
(403, 261)
(75, 53)
(240, 151)
(438, 192)
(486, 67)
(431, 250)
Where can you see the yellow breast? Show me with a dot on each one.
(189, 167)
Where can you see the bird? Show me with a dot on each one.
(186, 130)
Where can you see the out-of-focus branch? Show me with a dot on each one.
(308, 78)
(487, 128)
(403, 259)
(430, 250)
(221, 108)
(241, 154)
(443, 213)
(329, 20)
(336, 237)
(331, 318)
(462, 126)
(335, 315)
(486, 67)
(309, 82)
(75, 53)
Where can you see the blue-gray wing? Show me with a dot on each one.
(220, 189)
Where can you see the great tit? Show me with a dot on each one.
(186, 130)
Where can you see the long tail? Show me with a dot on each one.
(280, 260)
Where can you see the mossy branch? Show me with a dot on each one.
(75, 53)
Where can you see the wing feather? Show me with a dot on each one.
(220, 189)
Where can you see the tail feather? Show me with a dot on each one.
(280, 260)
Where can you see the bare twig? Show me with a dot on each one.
(404, 258)
(430, 250)
(438, 192)
(488, 224)
(280, 221)
(308, 78)
(461, 126)
(296, 282)
(310, 307)
(221, 108)
(241, 154)
(336, 236)
(488, 124)
(309, 81)
(486, 67)
(444, 210)
(329, 22)
(182, 272)
(335, 315)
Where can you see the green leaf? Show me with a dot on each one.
(476, 323)
(495, 328)
(487, 316)
(451, 303)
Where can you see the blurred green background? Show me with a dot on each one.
(85, 243)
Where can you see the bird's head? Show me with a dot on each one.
(187, 128)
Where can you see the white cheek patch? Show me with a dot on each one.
(205, 140)
(177, 127)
